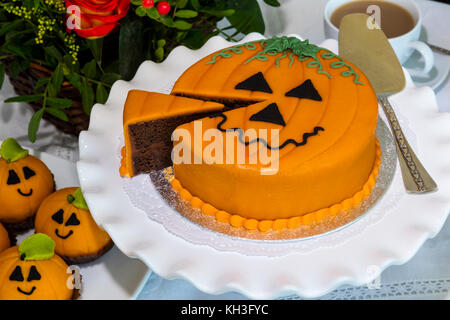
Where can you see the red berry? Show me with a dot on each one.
(163, 7)
(147, 4)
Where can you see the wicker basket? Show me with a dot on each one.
(24, 84)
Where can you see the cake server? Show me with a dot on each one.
(364, 44)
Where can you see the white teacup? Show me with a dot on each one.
(403, 45)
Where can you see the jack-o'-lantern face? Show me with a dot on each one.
(65, 217)
(282, 83)
(24, 183)
(33, 272)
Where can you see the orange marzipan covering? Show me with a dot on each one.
(142, 106)
(332, 166)
(317, 217)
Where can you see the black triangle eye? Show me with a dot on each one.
(270, 114)
(16, 275)
(28, 173)
(257, 82)
(305, 91)
(13, 178)
(34, 274)
(73, 220)
(58, 216)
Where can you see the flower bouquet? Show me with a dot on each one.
(63, 56)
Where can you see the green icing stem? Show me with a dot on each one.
(302, 49)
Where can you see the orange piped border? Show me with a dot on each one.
(318, 216)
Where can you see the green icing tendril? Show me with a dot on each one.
(302, 49)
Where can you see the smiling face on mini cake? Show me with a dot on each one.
(66, 218)
(24, 182)
(31, 271)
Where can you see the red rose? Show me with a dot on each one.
(97, 18)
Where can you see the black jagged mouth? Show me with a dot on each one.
(63, 237)
(25, 194)
(29, 293)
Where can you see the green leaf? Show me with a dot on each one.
(167, 21)
(41, 82)
(51, 90)
(33, 126)
(273, 3)
(181, 3)
(87, 96)
(182, 25)
(2, 74)
(75, 80)
(186, 14)
(136, 2)
(57, 78)
(131, 47)
(57, 113)
(38, 246)
(247, 17)
(10, 26)
(140, 11)
(26, 98)
(90, 69)
(59, 103)
(110, 78)
(101, 94)
(153, 13)
(96, 46)
(214, 11)
(53, 52)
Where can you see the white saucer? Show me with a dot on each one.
(435, 77)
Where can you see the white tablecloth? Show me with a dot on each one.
(426, 276)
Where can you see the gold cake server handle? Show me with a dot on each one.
(369, 49)
(415, 178)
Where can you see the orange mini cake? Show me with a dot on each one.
(314, 115)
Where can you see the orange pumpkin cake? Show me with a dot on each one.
(314, 115)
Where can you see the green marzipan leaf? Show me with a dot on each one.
(136, 2)
(59, 103)
(37, 247)
(33, 126)
(87, 96)
(101, 94)
(26, 98)
(57, 113)
(186, 14)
